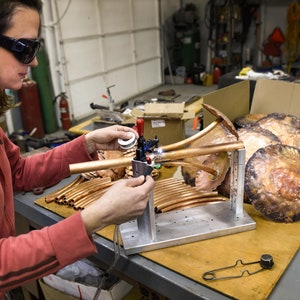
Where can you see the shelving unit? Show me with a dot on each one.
(226, 31)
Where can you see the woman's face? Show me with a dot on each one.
(25, 24)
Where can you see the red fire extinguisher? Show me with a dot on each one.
(216, 75)
(64, 111)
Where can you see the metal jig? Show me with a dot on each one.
(266, 262)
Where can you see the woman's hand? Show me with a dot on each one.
(107, 138)
(124, 201)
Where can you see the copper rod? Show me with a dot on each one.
(100, 165)
(192, 203)
(194, 137)
(184, 198)
(88, 199)
(188, 195)
(51, 197)
(164, 156)
(197, 166)
(192, 152)
(78, 189)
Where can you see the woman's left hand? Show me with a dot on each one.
(107, 138)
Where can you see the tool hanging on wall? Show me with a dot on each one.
(64, 110)
(109, 97)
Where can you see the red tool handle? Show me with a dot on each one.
(140, 126)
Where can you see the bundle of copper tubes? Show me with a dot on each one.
(169, 194)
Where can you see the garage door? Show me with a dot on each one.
(95, 44)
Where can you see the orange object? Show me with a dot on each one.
(277, 36)
(195, 123)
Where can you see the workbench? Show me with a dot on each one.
(139, 268)
(193, 107)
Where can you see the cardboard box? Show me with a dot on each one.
(51, 293)
(269, 96)
(166, 121)
(55, 287)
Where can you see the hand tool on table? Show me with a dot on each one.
(266, 263)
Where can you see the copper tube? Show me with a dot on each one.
(171, 195)
(164, 156)
(191, 165)
(173, 202)
(87, 188)
(88, 192)
(51, 197)
(89, 199)
(100, 165)
(192, 152)
(193, 203)
(83, 204)
(194, 137)
(69, 194)
(169, 199)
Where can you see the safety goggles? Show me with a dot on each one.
(24, 50)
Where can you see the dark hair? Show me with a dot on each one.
(7, 11)
(9, 7)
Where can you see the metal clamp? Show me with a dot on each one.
(266, 262)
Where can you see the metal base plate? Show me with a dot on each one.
(186, 226)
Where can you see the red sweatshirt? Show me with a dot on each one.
(33, 255)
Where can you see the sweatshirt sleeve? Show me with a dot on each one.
(54, 247)
(48, 168)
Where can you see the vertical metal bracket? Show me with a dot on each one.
(237, 179)
(146, 222)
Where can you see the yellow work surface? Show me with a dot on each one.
(192, 260)
(79, 129)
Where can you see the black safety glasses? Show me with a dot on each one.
(24, 50)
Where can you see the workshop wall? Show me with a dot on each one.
(272, 14)
(95, 44)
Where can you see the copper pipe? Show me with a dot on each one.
(85, 189)
(72, 192)
(192, 152)
(191, 165)
(192, 203)
(164, 156)
(85, 202)
(51, 197)
(100, 165)
(90, 191)
(172, 202)
(89, 199)
(194, 137)
(169, 199)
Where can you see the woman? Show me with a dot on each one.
(30, 256)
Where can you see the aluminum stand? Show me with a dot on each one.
(155, 231)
